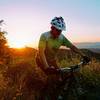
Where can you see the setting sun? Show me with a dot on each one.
(22, 40)
(17, 44)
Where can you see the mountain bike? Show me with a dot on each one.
(69, 88)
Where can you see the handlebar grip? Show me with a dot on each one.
(86, 59)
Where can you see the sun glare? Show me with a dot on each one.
(17, 44)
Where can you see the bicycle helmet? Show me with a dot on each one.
(58, 22)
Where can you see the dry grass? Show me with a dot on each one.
(23, 80)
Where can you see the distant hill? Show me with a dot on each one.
(97, 50)
(66, 52)
(62, 54)
(88, 45)
(90, 53)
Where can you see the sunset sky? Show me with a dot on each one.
(25, 20)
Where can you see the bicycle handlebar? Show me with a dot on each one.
(73, 68)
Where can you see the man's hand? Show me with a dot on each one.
(86, 59)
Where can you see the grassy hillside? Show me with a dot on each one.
(91, 53)
(22, 79)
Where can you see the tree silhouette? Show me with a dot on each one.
(4, 50)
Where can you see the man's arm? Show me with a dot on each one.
(42, 47)
(68, 44)
(75, 49)
(43, 58)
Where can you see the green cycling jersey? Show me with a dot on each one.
(52, 45)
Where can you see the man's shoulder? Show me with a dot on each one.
(61, 36)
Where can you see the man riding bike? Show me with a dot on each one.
(50, 43)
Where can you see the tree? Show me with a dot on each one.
(4, 50)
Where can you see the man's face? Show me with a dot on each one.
(55, 32)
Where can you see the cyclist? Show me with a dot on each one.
(49, 44)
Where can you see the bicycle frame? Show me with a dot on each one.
(69, 81)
